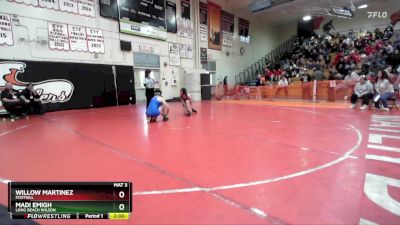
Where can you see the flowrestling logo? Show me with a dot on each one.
(50, 91)
(379, 15)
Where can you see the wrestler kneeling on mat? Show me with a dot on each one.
(187, 102)
(157, 106)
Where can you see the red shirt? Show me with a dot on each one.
(278, 72)
(356, 57)
(337, 58)
(369, 50)
(269, 73)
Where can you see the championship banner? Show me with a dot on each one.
(70, 6)
(227, 23)
(203, 55)
(53, 4)
(203, 22)
(77, 38)
(143, 17)
(81, 7)
(174, 57)
(6, 33)
(27, 2)
(95, 40)
(171, 16)
(214, 26)
(185, 9)
(86, 8)
(58, 36)
(244, 30)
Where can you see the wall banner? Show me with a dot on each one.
(214, 26)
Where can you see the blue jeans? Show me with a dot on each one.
(383, 99)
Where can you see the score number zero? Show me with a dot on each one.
(121, 194)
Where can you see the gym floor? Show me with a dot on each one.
(235, 162)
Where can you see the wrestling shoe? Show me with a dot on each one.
(165, 118)
(352, 106)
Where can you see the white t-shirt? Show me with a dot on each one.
(149, 82)
(283, 83)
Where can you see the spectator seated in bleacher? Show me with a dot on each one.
(344, 57)
(362, 90)
(13, 103)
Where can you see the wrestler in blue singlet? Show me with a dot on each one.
(154, 107)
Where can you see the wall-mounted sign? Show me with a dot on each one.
(95, 40)
(58, 36)
(214, 26)
(144, 60)
(227, 23)
(143, 17)
(27, 2)
(185, 28)
(6, 33)
(185, 9)
(203, 55)
(146, 48)
(77, 38)
(50, 4)
(174, 57)
(203, 22)
(86, 7)
(70, 6)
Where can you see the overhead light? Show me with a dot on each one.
(363, 6)
(307, 18)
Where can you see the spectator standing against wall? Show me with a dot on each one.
(225, 82)
(149, 84)
(306, 85)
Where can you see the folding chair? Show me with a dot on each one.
(393, 100)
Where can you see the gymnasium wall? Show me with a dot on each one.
(70, 85)
(31, 35)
